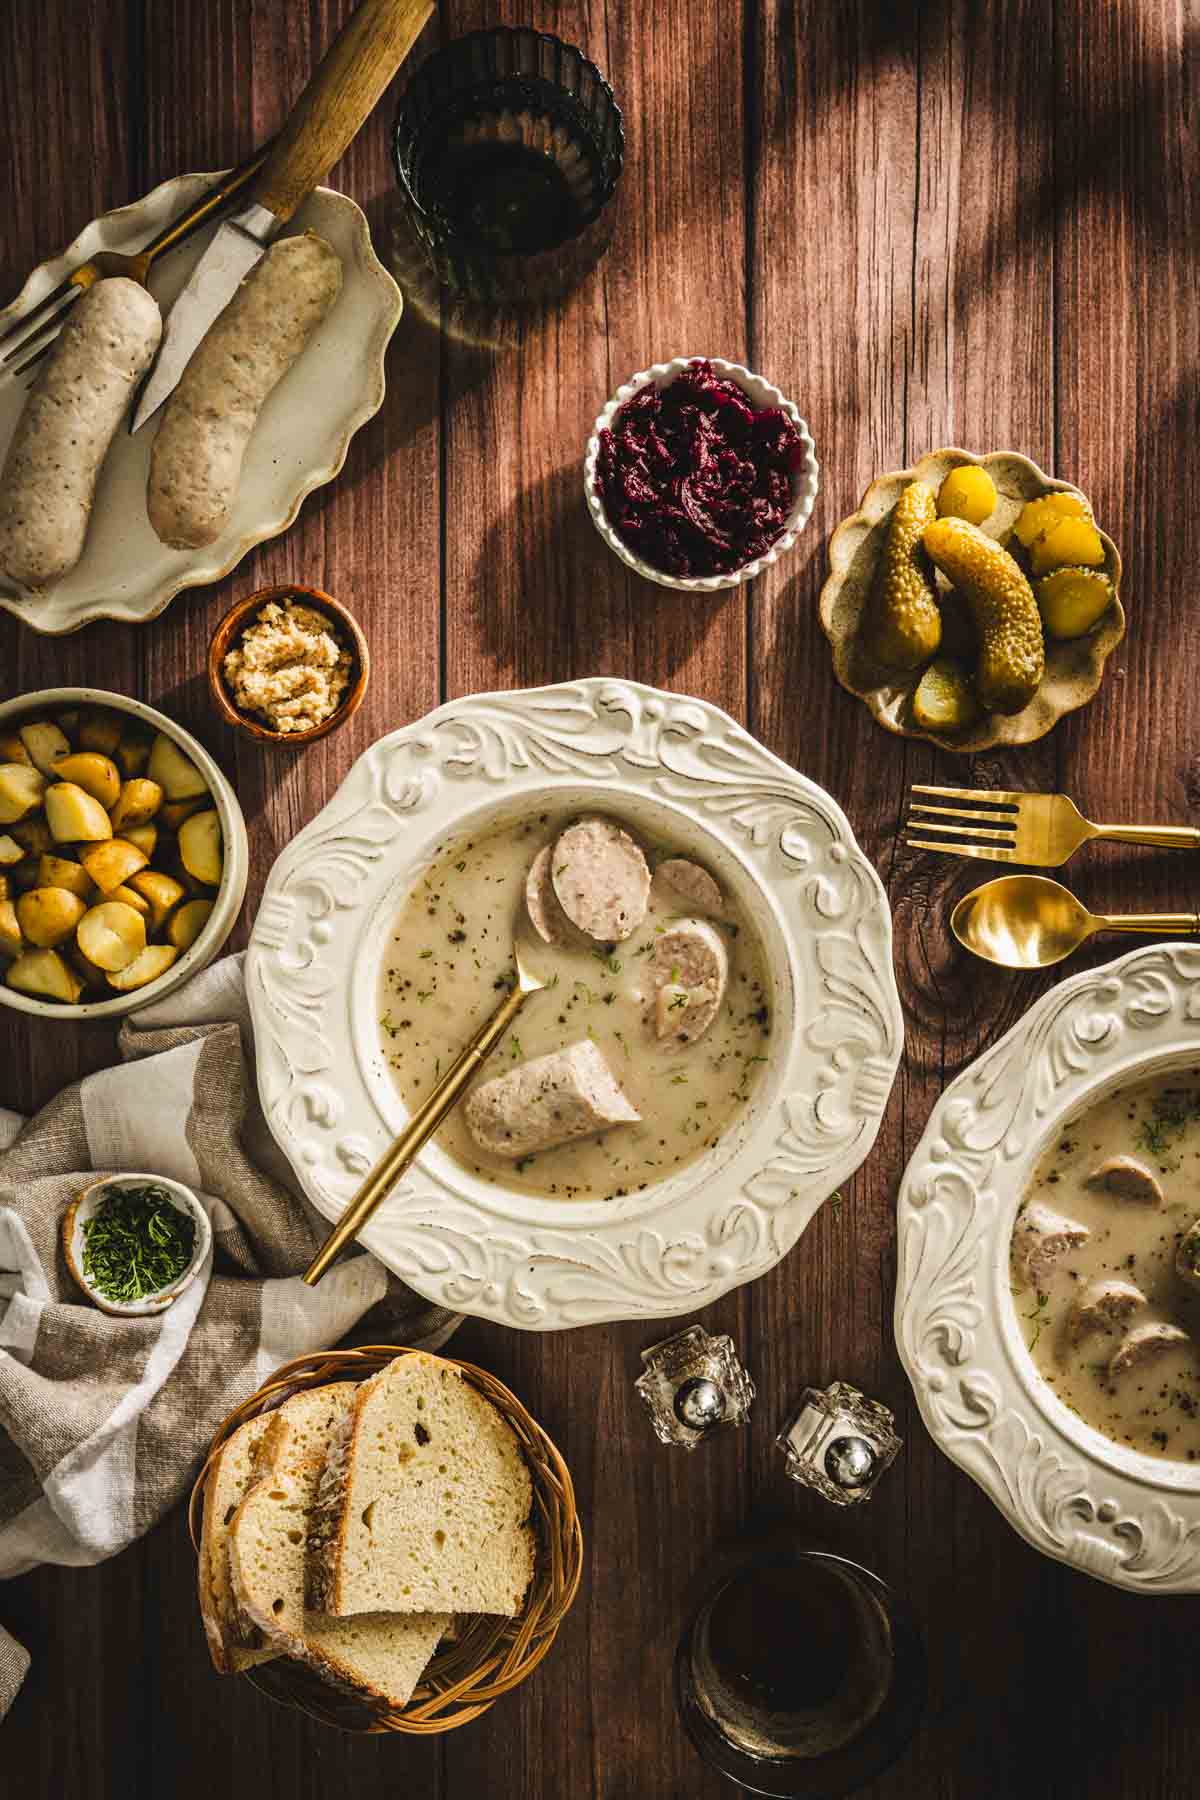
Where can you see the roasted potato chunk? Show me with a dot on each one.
(144, 836)
(152, 962)
(44, 975)
(21, 789)
(176, 774)
(11, 941)
(48, 915)
(187, 922)
(33, 834)
(10, 851)
(56, 871)
(100, 729)
(162, 891)
(111, 935)
(174, 812)
(97, 775)
(138, 802)
(46, 745)
(13, 750)
(200, 847)
(74, 816)
(130, 897)
(133, 752)
(112, 862)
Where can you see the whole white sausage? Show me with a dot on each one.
(196, 463)
(67, 425)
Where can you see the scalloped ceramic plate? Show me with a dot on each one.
(1074, 669)
(1073, 1493)
(300, 441)
(773, 838)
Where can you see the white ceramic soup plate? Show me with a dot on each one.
(674, 768)
(1075, 1494)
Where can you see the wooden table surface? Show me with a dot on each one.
(929, 223)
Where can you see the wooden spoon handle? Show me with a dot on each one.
(350, 79)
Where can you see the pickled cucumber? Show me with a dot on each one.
(902, 626)
(1012, 653)
(967, 493)
(1072, 600)
(945, 699)
(1037, 516)
(1072, 543)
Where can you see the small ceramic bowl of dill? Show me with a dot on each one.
(133, 1243)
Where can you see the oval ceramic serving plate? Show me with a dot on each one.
(1074, 1494)
(774, 840)
(1074, 668)
(299, 443)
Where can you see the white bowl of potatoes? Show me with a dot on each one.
(123, 855)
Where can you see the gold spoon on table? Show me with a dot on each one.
(1031, 922)
(431, 1112)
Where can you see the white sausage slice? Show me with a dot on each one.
(1125, 1178)
(1145, 1344)
(1102, 1306)
(691, 969)
(690, 882)
(1187, 1257)
(541, 902)
(601, 878)
(196, 463)
(68, 423)
(1040, 1237)
(550, 1100)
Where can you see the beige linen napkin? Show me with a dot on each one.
(103, 1421)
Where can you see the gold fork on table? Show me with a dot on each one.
(19, 339)
(1040, 830)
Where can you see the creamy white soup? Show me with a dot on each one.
(1106, 1266)
(449, 960)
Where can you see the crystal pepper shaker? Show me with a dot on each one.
(839, 1442)
(693, 1384)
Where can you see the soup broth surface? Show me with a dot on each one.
(1154, 1408)
(449, 960)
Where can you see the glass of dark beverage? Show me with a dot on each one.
(508, 147)
(800, 1673)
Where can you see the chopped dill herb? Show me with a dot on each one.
(136, 1243)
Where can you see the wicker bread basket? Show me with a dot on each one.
(490, 1656)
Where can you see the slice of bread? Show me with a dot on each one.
(378, 1656)
(424, 1502)
(233, 1643)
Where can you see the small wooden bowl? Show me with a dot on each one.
(239, 618)
(487, 1657)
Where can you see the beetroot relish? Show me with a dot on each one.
(694, 479)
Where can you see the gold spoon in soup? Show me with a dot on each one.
(445, 1096)
(1031, 922)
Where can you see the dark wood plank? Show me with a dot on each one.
(532, 595)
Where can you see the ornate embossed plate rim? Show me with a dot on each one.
(1073, 1494)
(847, 1045)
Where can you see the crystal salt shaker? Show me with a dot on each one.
(839, 1442)
(693, 1385)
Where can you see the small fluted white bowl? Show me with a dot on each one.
(88, 1204)
(761, 394)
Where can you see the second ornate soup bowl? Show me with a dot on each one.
(1073, 1493)
(671, 766)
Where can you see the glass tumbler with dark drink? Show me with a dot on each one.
(800, 1674)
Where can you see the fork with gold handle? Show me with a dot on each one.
(1041, 831)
